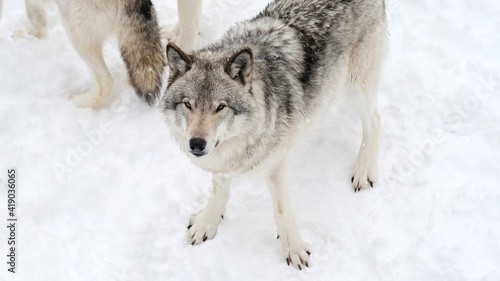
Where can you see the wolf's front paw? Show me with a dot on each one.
(295, 251)
(297, 256)
(362, 178)
(203, 226)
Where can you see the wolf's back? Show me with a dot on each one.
(140, 46)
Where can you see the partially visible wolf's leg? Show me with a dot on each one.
(364, 71)
(189, 23)
(203, 225)
(91, 53)
(102, 79)
(185, 33)
(87, 35)
(365, 169)
(295, 251)
(37, 19)
(171, 32)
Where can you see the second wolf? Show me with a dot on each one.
(89, 23)
(238, 105)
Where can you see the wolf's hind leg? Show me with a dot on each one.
(295, 251)
(203, 225)
(91, 52)
(37, 19)
(88, 42)
(364, 71)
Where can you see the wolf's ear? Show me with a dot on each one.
(178, 61)
(240, 66)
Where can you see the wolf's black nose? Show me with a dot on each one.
(197, 145)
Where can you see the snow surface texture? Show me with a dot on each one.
(107, 195)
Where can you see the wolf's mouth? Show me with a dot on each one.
(198, 154)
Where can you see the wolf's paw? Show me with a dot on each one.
(24, 33)
(96, 97)
(20, 33)
(88, 100)
(362, 178)
(170, 32)
(297, 255)
(203, 226)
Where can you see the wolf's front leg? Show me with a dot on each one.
(203, 225)
(295, 250)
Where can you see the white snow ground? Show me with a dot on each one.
(106, 194)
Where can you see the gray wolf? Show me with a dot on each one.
(236, 106)
(89, 22)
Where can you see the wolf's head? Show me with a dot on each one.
(209, 99)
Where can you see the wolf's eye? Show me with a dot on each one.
(220, 107)
(187, 105)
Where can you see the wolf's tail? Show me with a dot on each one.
(141, 48)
